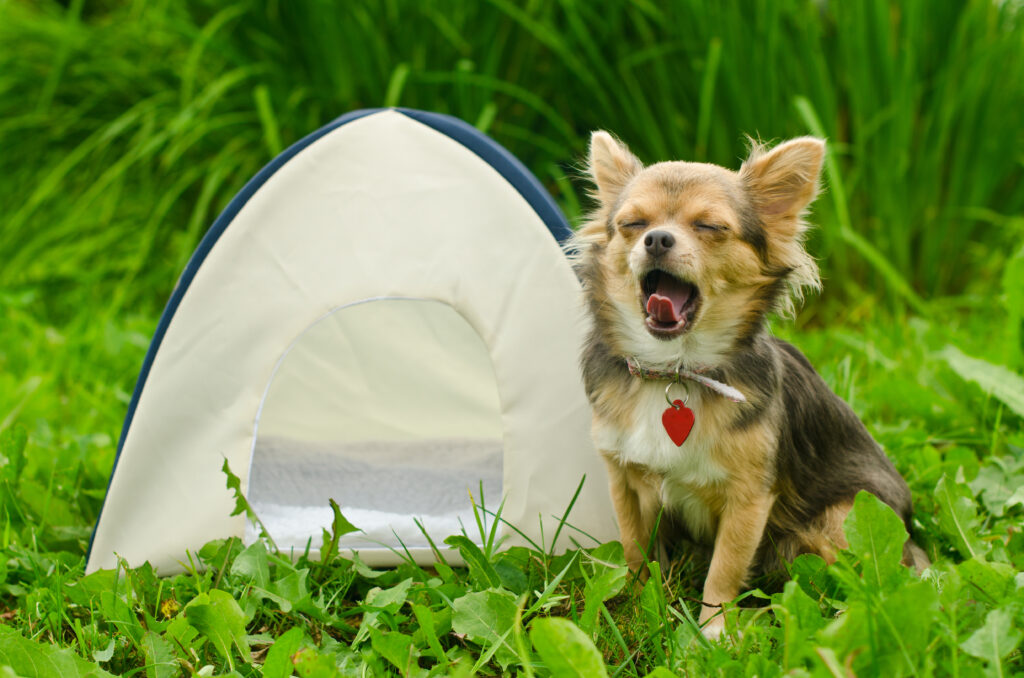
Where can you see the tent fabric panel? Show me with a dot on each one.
(195, 261)
(383, 369)
(506, 164)
(345, 219)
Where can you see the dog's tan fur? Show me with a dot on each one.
(740, 480)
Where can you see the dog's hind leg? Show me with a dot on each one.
(825, 536)
(915, 557)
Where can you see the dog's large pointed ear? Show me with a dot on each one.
(611, 166)
(782, 182)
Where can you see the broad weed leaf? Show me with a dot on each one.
(1015, 499)
(801, 610)
(907, 621)
(291, 592)
(1002, 383)
(279, 659)
(876, 536)
(762, 666)
(799, 619)
(160, 659)
(183, 633)
(396, 647)
(379, 601)
(425, 618)
(996, 638)
(999, 483)
(252, 565)
(830, 662)
(811, 572)
(989, 582)
(88, 589)
(651, 606)
(364, 570)
(218, 616)
(897, 628)
(480, 569)
(390, 599)
(106, 653)
(340, 526)
(512, 574)
(294, 589)
(40, 660)
(486, 617)
(958, 517)
(309, 663)
(610, 555)
(567, 651)
(234, 483)
(608, 584)
(117, 613)
(960, 462)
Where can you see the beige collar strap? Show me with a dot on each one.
(724, 390)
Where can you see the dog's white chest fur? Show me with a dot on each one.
(690, 465)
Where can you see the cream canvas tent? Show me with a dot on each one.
(382, 316)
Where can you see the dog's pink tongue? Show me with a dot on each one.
(666, 303)
(662, 309)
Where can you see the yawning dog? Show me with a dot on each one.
(702, 416)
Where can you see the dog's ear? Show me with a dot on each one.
(611, 166)
(782, 182)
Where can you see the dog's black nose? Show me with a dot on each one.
(658, 242)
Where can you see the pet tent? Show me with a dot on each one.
(382, 316)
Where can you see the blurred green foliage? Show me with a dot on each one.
(154, 113)
(126, 126)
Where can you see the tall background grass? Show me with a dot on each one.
(125, 126)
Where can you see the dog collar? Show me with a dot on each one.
(724, 390)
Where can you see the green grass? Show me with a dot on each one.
(960, 450)
(126, 126)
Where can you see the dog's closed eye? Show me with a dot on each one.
(705, 226)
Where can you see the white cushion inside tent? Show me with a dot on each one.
(380, 206)
(389, 407)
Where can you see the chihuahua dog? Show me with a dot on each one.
(702, 416)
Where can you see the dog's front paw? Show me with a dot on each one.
(714, 629)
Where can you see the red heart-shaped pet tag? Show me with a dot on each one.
(678, 422)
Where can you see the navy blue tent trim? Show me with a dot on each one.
(506, 164)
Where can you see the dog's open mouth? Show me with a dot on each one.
(670, 303)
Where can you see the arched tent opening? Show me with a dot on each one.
(391, 408)
(386, 298)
